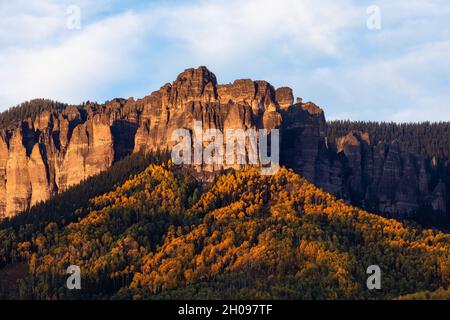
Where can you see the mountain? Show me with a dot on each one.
(419, 162)
(162, 234)
(45, 150)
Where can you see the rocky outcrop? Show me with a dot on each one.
(49, 155)
(285, 97)
(59, 148)
(303, 140)
(384, 179)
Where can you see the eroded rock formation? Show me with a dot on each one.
(60, 148)
(385, 179)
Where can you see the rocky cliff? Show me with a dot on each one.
(381, 177)
(56, 149)
(50, 154)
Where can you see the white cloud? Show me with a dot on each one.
(41, 58)
(25, 22)
(322, 49)
(81, 65)
(410, 87)
(230, 29)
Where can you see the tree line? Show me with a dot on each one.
(161, 234)
(426, 139)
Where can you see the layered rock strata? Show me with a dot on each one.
(58, 149)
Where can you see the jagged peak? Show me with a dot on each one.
(356, 137)
(201, 73)
(284, 97)
(312, 108)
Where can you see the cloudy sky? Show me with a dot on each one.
(323, 49)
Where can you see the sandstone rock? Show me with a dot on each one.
(58, 149)
(48, 155)
(285, 97)
(241, 91)
(18, 186)
(303, 132)
(383, 178)
(198, 85)
(407, 192)
(41, 189)
(355, 147)
(90, 152)
(3, 173)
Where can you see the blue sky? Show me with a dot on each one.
(322, 49)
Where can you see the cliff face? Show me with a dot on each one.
(49, 155)
(61, 148)
(381, 177)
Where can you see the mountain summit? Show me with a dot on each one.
(45, 149)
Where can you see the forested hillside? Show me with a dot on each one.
(439, 294)
(67, 206)
(161, 235)
(28, 110)
(48, 147)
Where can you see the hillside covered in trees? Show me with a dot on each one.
(28, 110)
(47, 147)
(163, 235)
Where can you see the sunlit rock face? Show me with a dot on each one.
(57, 151)
(59, 148)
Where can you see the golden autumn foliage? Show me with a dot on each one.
(246, 236)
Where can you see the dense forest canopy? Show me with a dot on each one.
(247, 236)
(426, 139)
(145, 229)
(30, 109)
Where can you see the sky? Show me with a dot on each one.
(380, 60)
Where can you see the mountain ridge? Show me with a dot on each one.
(247, 236)
(53, 150)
